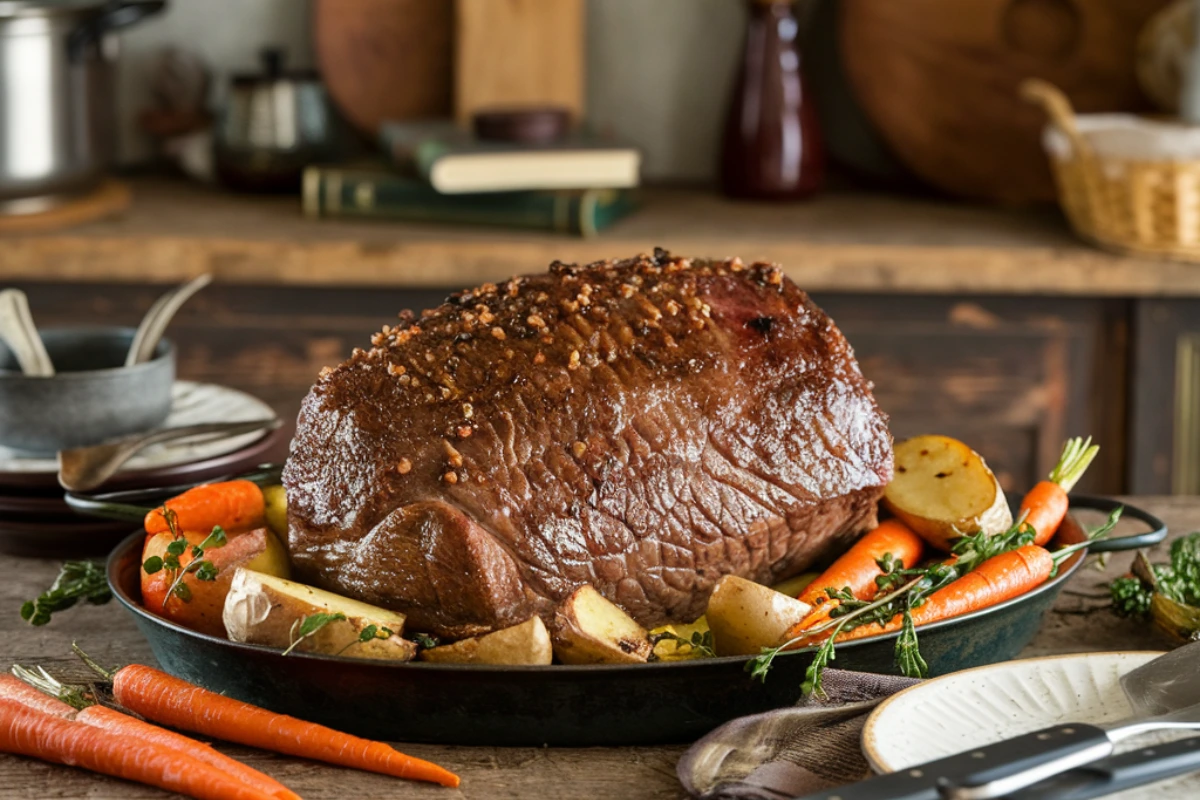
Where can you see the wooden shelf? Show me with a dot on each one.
(839, 243)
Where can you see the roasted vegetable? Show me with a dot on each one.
(1169, 594)
(588, 629)
(942, 489)
(275, 509)
(745, 616)
(683, 642)
(190, 589)
(527, 643)
(263, 609)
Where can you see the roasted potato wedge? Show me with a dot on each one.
(588, 629)
(942, 489)
(527, 643)
(746, 616)
(263, 609)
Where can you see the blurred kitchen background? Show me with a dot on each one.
(331, 162)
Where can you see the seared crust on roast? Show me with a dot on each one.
(645, 426)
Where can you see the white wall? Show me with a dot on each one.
(659, 71)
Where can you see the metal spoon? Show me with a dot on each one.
(154, 324)
(84, 468)
(21, 336)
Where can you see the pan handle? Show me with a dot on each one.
(1136, 541)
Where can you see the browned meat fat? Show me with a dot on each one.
(646, 426)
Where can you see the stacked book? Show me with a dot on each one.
(438, 173)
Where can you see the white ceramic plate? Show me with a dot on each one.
(191, 404)
(975, 707)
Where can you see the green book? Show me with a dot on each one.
(455, 162)
(383, 194)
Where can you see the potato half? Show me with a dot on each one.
(588, 629)
(942, 489)
(527, 643)
(263, 609)
(745, 616)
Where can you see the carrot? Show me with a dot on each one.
(1000, 578)
(168, 700)
(856, 568)
(36, 689)
(233, 505)
(29, 732)
(1045, 505)
(20, 692)
(114, 721)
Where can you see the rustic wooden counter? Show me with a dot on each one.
(1080, 622)
(841, 242)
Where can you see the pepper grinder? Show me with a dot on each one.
(772, 145)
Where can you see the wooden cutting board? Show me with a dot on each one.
(939, 78)
(385, 59)
(518, 53)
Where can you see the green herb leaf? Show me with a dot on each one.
(171, 562)
(177, 547)
(77, 580)
(182, 591)
(307, 626)
(908, 654)
(425, 641)
(368, 633)
(700, 643)
(825, 654)
(206, 571)
(215, 539)
(152, 565)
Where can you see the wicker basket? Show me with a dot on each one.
(1146, 207)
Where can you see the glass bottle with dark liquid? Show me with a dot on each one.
(772, 147)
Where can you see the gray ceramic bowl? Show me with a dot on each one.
(91, 398)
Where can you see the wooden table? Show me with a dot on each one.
(1080, 622)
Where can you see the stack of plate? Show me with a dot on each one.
(36, 521)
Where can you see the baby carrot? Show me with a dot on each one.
(233, 505)
(20, 692)
(1046, 503)
(856, 568)
(168, 700)
(1000, 578)
(29, 732)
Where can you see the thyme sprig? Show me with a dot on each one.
(700, 643)
(202, 568)
(77, 580)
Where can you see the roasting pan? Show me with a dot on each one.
(570, 706)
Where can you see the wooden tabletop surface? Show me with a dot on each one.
(1080, 622)
(843, 241)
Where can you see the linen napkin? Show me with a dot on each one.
(791, 751)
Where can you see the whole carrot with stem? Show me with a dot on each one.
(30, 732)
(168, 700)
(232, 505)
(37, 689)
(1046, 504)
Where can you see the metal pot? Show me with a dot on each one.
(56, 96)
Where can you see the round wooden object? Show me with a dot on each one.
(939, 79)
(109, 199)
(385, 59)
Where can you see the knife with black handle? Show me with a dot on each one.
(1106, 776)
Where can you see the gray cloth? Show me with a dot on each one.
(791, 751)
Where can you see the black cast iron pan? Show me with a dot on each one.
(569, 705)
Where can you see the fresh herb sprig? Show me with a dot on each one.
(203, 569)
(699, 643)
(77, 580)
(305, 627)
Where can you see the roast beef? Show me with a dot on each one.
(646, 426)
